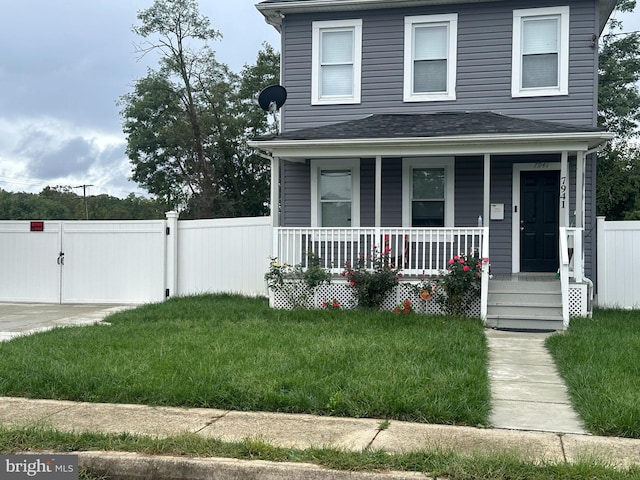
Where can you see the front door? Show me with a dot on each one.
(539, 225)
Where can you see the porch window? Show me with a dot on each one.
(335, 193)
(335, 198)
(430, 57)
(428, 192)
(427, 202)
(540, 52)
(337, 59)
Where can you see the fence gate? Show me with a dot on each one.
(82, 262)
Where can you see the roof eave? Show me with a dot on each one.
(453, 145)
(274, 12)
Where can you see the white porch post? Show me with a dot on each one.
(275, 214)
(486, 213)
(564, 190)
(578, 252)
(275, 192)
(486, 210)
(580, 194)
(378, 194)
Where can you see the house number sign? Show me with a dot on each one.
(563, 191)
(541, 165)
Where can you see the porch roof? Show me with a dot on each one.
(462, 132)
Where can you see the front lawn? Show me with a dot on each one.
(599, 359)
(231, 352)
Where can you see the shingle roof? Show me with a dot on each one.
(448, 124)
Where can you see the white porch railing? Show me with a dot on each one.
(416, 251)
(575, 252)
(564, 275)
(571, 264)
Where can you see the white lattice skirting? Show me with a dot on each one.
(345, 295)
(578, 300)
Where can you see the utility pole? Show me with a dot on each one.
(84, 195)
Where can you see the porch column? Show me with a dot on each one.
(564, 190)
(275, 192)
(578, 252)
(580, 194)
(378, 194)
(486, 210)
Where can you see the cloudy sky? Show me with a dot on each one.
(63, 66)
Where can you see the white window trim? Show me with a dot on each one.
(563, 54)
(317, 27)
(317, 166)
(409, 24)
(448, 163)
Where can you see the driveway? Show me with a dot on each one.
(25, 318)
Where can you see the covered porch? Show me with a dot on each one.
(483, 205)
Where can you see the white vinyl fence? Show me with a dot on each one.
(229, 255)
(618, 264)
(131, 261)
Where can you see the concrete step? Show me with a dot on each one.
(531, 310)
(524, 304)
(521, 322)
(505, 286)
(525, 299)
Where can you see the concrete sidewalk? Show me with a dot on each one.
(300, 432)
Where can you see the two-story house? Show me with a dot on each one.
(443, 126)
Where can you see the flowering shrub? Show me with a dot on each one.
(372, 284)
(404, 308)
(459, 287)
(331, 305)
(297, 283)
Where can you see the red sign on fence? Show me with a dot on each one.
(37, 226)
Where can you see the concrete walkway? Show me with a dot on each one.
(526, 389)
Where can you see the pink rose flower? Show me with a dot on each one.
(465, 268)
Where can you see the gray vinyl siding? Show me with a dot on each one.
(469, 196)
(367, 192)
(483, 65)
(590, 220)
(296, 195)
(500, 230)
(391, 192)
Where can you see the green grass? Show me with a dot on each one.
(599, 359)
(231, 352)
(434, 463)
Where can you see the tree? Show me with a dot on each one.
(187, 123)
(61, 203)
(618, 167)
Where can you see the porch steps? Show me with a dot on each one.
(533, 303)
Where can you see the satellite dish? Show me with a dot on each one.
(272, 98)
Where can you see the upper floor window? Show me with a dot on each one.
(430, 50)
(540, 61)
(337, 62)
